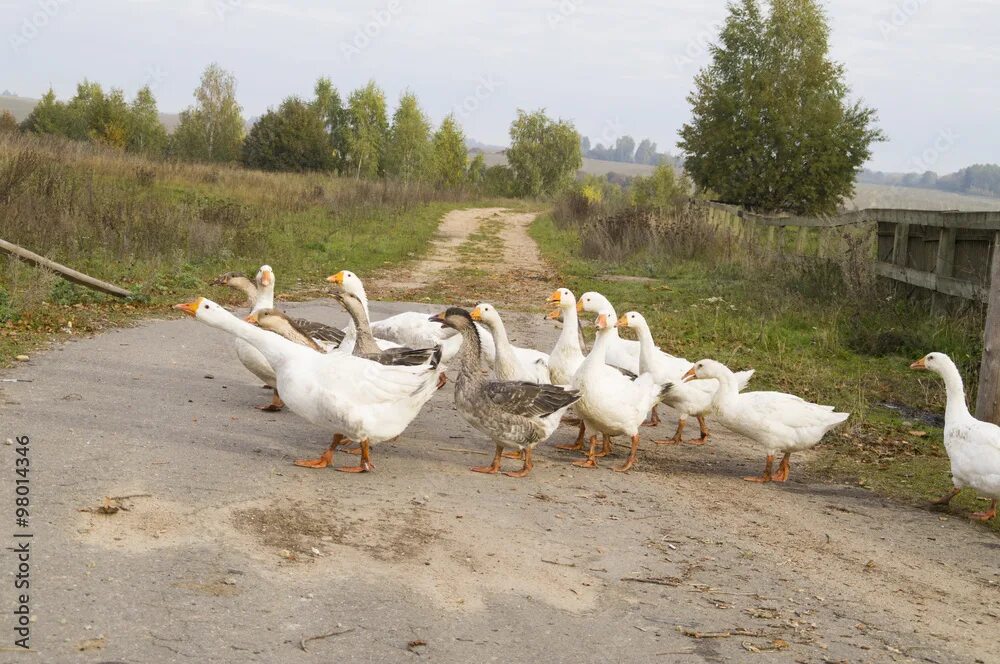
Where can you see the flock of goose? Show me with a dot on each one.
(368, 381)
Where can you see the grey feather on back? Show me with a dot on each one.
(529, 399)
(314, 330)
(408, 357)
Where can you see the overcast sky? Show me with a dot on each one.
(930, 67)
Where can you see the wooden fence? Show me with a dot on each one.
(945, 252)
(954, 253)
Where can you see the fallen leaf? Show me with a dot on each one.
(92, 644)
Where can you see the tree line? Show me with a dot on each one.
(626, 150)
(978, 179)
(353, 136)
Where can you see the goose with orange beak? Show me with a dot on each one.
(611, 403)
(973, 446)
(512, 362)
(779, 422)
(355, 398)
(567, 354)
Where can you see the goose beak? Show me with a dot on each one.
(919, 364)
(336, 278)
(602, 322)
(622, 321)
(252, 319)
(579, 306)
(190, 308)
(476, 314)
(553, 315)
(689, 376)
(436, 318)
(221, 280)
(266, 278)
(555, 298)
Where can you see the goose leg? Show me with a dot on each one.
(946, 498)
(591, 460)
(704, 432)
(351, 450)
(493, 467)
(766, 477)
(365, 465)
(275, 405)
(782, 473)
(326, 459)
(606, 449)
(578, 443)
(676, 440)
(525, 469)
(630, 461)
(987, 515)
(442, 379)
(654, 419)
(519, 454)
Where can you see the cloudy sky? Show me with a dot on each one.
(931, 68)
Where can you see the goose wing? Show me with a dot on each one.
(529, 399)
(319, 331)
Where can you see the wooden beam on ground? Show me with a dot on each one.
(988, 399)
(63, 271)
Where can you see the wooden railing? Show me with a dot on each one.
(946, 252)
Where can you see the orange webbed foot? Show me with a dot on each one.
(668, 441)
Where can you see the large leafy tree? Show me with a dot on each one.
(291, 138)
(409, 145)
(449, 155)
(330, 108)
(211, 129)
(772, 127)
(368, 129)
(544, 154)
(49, 116)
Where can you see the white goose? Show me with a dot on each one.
(567, 355)
(512, 362)
(357, 398)
(411, 328)
(691, 398)
(973, 446)
(610, 402)
(779, 422)
(622, 353)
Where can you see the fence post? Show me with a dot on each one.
(900, 244)
(801, 240)
(988, 399)
(944, 264)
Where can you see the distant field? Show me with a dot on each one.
(21, 108)
(590, 166)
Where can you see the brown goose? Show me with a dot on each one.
(512, 413)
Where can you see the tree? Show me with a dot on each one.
(291, 138)
(47, 117)
(544, 154)
(448, 154)
(368, 129)
(624, 148)
(211, 129)
(146, 134)
(331, 109)
(409, 145)
(8, 123)
(771, 126)
(661, 192)
(646, 152)
(477, 171)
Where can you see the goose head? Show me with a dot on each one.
(454, 317)
(595, 303)
(706, 369)
(563, 299)
(278, 322)
(265, 277)
(205, 310)
(486, 314)
(604, 323)
(632, 319)
(348, 282)
(936, 362)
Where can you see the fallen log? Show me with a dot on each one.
(67, 273)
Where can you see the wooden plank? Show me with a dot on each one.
(930, 281)
(987, 220)
(900, 244)
(944, 265)
(65, 272)
(802, 240)
(988, 399)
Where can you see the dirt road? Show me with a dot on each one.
(228, 553)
